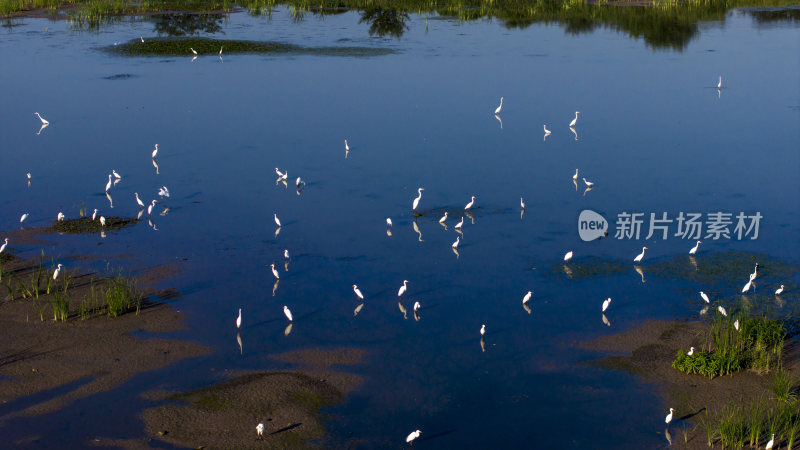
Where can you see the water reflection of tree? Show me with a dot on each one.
(385, 22)
(183, 24)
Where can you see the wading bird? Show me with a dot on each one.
(719, 84)
(150, 208)
(546, 131)
(358, 292)
(779, 291)
(193, 51)
(44, 121)
(413, 435)
(141, 39)
(57, 271)
(277, 221)
(24, 216)
(346, 147)
(640, 255)
(722, 311)
(402, 288)
(260, 430)
(455, 244)
(704, 296)
(527, 297)
(736, 324)
(770, 443)
(747, 286)
(116, 175)
(286, 254)
(460, 224)
(568, 256)
(108, 185)
(287, 313)
(606, 303)
(669, 416)
(694, 249)
(497, 111)
(3, 247)
(483, 330)
(444, 218)
(102, 221)
(588, 183)
(416, 306)
(155, 152)
(275, 271)
(521, 203)
(575, 177)
(239, 319)
(416, 200)
(575, 120)
(163, 191)
(138, 200)
(469, 205)
(388, 222)
(60, 217)
(691, 351)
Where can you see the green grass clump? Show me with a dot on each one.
(121, 296)
(757, 345)
(738, 424)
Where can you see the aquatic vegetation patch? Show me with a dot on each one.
(205, 46)
(86, 225)
(756, 345)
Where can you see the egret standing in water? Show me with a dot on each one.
(527, 297)
(719, 84)
(155, 152)
(3, 247)
(747, 286)
(694, 249)
(193, 51)
(108, 185)
(275, 271)
(705, 297)
(277, 221)
(286, 253)
(402, 288)
(588, 183)
(150, 208)
(138, 200)
(389, 222)
(460, 224)
(640, 255)
(443, 219)
(24, 216)
(346, 147)
(358, 292)
(575, 177)
(568, 256)
(483, 330)
(546, 131)
(779, 291)
(102, 221)
(575, 120)
(521, 203)
(287, 313)
(44, 122)
(606, 303)
(57, 271)
(722, 311)
(239, 319)
(60, 217)
(116, 175)
(497, 111)
(469, 205)
(413, 435)
(416, 200)
(455, 244)
(417, 306)
(669, 416)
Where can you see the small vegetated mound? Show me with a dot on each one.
(85, 225)
(735, 344)
(204, 46)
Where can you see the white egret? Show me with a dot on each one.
(483, 330)
(29, 176)
(163, 191)
(606, 303)
(736, 324)
(116, 175)
(588, 183)
(260, 429)
(286, 254)
(60, 217)
(468, 206)
(455, 244)
(568, 256)
(575, 177)
(138, 200)
(402, 288)
(24, 216)
(287, 313)
(193, 51)
(521, 203)
(691, 351)
(705, 297)
(755, 272)
(155, 152)
(220, 50)
(669, 416)
(444, 218)
(3, 247)
(239, 319)
(640, 255)
(719, 84)
(44, 122)
(346, 147)
(388, 222)
(358, 292)
(722, 311)
(460, 224)
(150, 208)
(546, 131)
(94, 214)
(416, 306)
(416, 200)
(694, 249)
(747, 286)
(57, 271)
(277, 221)
(102, 221)
(527, 297)
(497, 111)
(141, 39)
(575, 120)
(779, 291)
(770, 443)
(299, 182)
(275, 271)
(413, 435)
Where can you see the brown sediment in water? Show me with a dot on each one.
(649, 350)
(84, 355)
(287, 402)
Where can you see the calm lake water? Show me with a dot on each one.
(654, 135)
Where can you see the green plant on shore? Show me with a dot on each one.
(121, 296)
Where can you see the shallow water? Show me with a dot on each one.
(654, 135)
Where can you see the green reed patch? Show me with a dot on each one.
(205, 46)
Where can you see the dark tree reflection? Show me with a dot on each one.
(188, 24)
(385, 22)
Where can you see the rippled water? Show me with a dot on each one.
(654, 135)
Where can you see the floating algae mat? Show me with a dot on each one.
(181, 47)
(87, 225)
